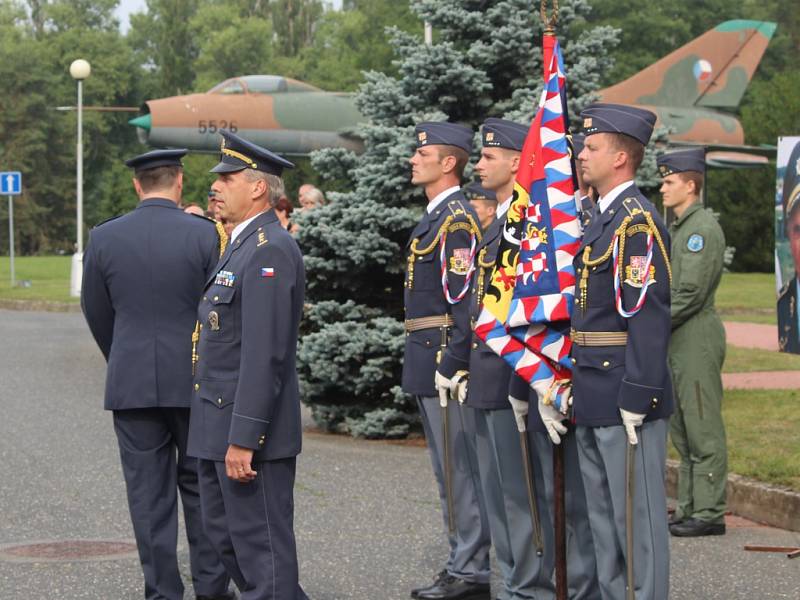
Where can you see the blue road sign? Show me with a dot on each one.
(10, 183)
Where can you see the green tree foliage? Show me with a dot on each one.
(486, 61)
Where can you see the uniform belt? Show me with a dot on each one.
(598, 338)
(434, 322)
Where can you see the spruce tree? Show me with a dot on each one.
(485, 61)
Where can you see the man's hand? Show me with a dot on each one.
(520, 408)
(237, 464)
(442, 385)
(553, 421)
(631, 421)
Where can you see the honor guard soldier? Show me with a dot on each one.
(697, 348)
(245, 426)
(143, 275)
(622, 393)
(441, 256)
(788, 330)
(483, 202)
(524, 574)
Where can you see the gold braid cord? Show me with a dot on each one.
(622, 232)
(223, 237)
(483, 264)
(223, 243)
(448, 226)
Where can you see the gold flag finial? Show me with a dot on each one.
(549, 22)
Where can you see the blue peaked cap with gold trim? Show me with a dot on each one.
(443, 133)
(500, 133)
(237, 154)
(681, 161)
(475, 191)
(632, 121)
(157, 158)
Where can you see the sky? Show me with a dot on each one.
(126, 7)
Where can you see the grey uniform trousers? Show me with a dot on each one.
(525, 575)
(601, 452)
(469, 546)
(152, 448)
(581, 562)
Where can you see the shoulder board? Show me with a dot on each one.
(633, 206)
(106, 221)
(457, 208)
(205, 218)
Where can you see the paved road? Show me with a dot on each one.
(367, 519)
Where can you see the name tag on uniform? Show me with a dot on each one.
(225, 278)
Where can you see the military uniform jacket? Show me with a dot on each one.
(488, 373)
(788, 337)
(698, 249)
(143, 275)
(633, 376)
(245, 390)
(424, 295)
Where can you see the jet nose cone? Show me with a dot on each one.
(142, 122)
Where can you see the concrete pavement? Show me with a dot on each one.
(367, 517)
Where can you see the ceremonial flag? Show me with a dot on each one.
(528, 303)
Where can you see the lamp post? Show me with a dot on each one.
(80, 70)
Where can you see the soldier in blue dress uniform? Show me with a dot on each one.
(788, 329)
(440, 262)
(621, 324)
(143, 275)
(245, 423)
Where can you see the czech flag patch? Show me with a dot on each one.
(267, 272)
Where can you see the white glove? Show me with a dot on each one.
(553, 421)
(442, 385)
(520, 408)
(631, 421)
(459, 389)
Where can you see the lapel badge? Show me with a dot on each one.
(262, 238)
(213, 320)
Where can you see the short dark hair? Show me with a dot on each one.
(158, 178)
(694, 176)
(461, 156)
(630, 146)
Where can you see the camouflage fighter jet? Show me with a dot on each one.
(285, 115)
(694, 90)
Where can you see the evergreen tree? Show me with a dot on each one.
(485, 61)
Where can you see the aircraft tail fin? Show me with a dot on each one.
(711, 71)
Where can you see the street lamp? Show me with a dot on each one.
(80, 70)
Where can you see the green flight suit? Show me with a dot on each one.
(696, 354)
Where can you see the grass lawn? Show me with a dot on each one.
(746, 360)
(748, 297)
(763, 428)
(49, 277)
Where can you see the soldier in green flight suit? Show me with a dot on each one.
(697, 348)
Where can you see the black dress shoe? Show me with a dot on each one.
(225, 596)
(697, 528)
(453, 588)
(673, 520)
(436, 580)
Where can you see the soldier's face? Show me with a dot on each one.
(793, 231)
(426, 166)
(496, 168)
(233, 195)
(675, 191)
(486, 210)
(596, 160)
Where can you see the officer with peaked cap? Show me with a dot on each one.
(788, 330)
(143, 275)
(436, 358)
(245, 423)
(697, 348)
(621, 385)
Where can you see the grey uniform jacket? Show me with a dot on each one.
(143, 275)
(246, 390)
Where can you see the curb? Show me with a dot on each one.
(40, 306)
(761, 502)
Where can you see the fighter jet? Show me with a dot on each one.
(693, 90)
(279, 113)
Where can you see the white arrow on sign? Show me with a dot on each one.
(10, 182)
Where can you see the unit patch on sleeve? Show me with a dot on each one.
(459, 262)
(634, 271)
(695, 243)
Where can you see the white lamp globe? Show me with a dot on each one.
(80, 69)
